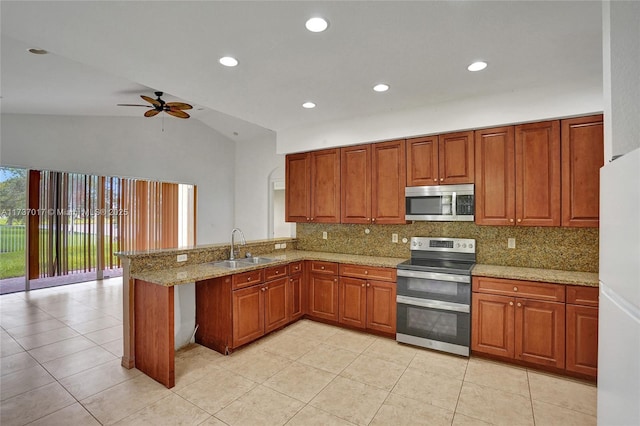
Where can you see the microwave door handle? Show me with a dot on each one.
(454, 202)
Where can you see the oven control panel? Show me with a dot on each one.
(455, 245)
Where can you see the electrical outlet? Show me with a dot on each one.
(511, 243)
(394, 238)
(181, 258)
(283, 245)
(278, 246)
(324, 235)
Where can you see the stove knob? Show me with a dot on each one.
(464, 245)
(470, 246)
(457, 245)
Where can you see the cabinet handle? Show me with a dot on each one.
(435, 180)
(277, 272)
(519, 220)
(515, 289)
(510, 303)
(308, 219)
(373, 219)
(441, 179)
(362, 284)
(368, 285)
(248, 278)
(335, 280)
(366, 272)
(322, 267)
(511, 220)
(263, 289)
(519, 305)
(291, 279)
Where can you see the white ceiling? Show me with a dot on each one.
(104, 53)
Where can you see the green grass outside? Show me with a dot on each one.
(13, 264)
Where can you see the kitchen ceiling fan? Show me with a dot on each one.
(159, 105)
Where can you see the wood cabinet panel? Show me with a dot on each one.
(325, 186)
(492, 325)
(495, 176)
(323, 296)
(582, 340)
(367, 272)
(353, 302)
(381, 306)
(528, 289)
(388, 177)
(247, 279)
(355, 183)
(275, 304)
(581, 295)
(540, 328)
(295, 267)
(422, 161)
(298, 187)
(214, 313)
(321, 267)
(456, 158)
(275, 272)
(582, 157)
(537, 148)
(248, 315)
(296, 297)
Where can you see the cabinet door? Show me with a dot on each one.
(422, 161)
(492, 325)
(539, 328)
(353, 302)
(275, 304)
(538, 174)
(325, 186)
(495, 176)
(355, 182)
(388, 181)
(297, 186)
(582, 157)
(248, 315)
(582, 339)
(295, 297)
(323, 296)
(381, 306)
(456, 158)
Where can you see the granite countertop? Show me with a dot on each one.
(191, 273)
(589, 279)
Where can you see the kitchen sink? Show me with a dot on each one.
(256, 260)
(232, 264)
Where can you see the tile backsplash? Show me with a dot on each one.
(571, 249)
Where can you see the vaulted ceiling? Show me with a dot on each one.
(106, 52)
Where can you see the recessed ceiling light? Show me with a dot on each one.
(37, 51)
(381, 87)
(316, 25)
(477, 66)
(308, 105)
(228, 61)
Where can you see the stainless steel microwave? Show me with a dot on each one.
(440, 203)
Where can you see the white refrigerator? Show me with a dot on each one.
(619, 310)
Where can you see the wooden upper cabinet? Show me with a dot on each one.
(313, 187)
(438, 160)
(495, 176)
(298, 187)
(422, 161)
(456, 158)
(355, 184)
(582, 157)
(388, 179)
(372, 183)
(538, 173)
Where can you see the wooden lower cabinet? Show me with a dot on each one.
(275, 304)
(582, 330)
(248, 315)
(295, 296)
(353, 302)
(513, 327)
(381, 306)
(323, 296)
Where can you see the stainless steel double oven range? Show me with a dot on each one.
(434, 294)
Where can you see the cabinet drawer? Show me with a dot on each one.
(247, 279)
(580, 295)
(275, 272)
(295, 267)
(319, 267)
(368, 272)
(526, 289)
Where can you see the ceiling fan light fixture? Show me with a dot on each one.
(317, 24)
(308, 105)
(37, 51)
(228, 61)
(477, 66)
(381, 87)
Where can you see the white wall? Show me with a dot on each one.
(621, 75)
(186, 152)
(580, 98)
(253, 163)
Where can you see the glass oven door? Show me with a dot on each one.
(434, 286)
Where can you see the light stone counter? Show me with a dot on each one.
(203, 271)
(589, 279)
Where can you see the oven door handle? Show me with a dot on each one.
(434, 276)
(433, 304)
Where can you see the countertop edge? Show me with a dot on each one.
(553, 276)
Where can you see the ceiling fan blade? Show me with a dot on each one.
(151, 113)
(178, 105)
(151, 100)
(137, 105)
(179, 114)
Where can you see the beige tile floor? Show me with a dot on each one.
(60, 365)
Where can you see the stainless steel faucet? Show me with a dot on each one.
(235, 252)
